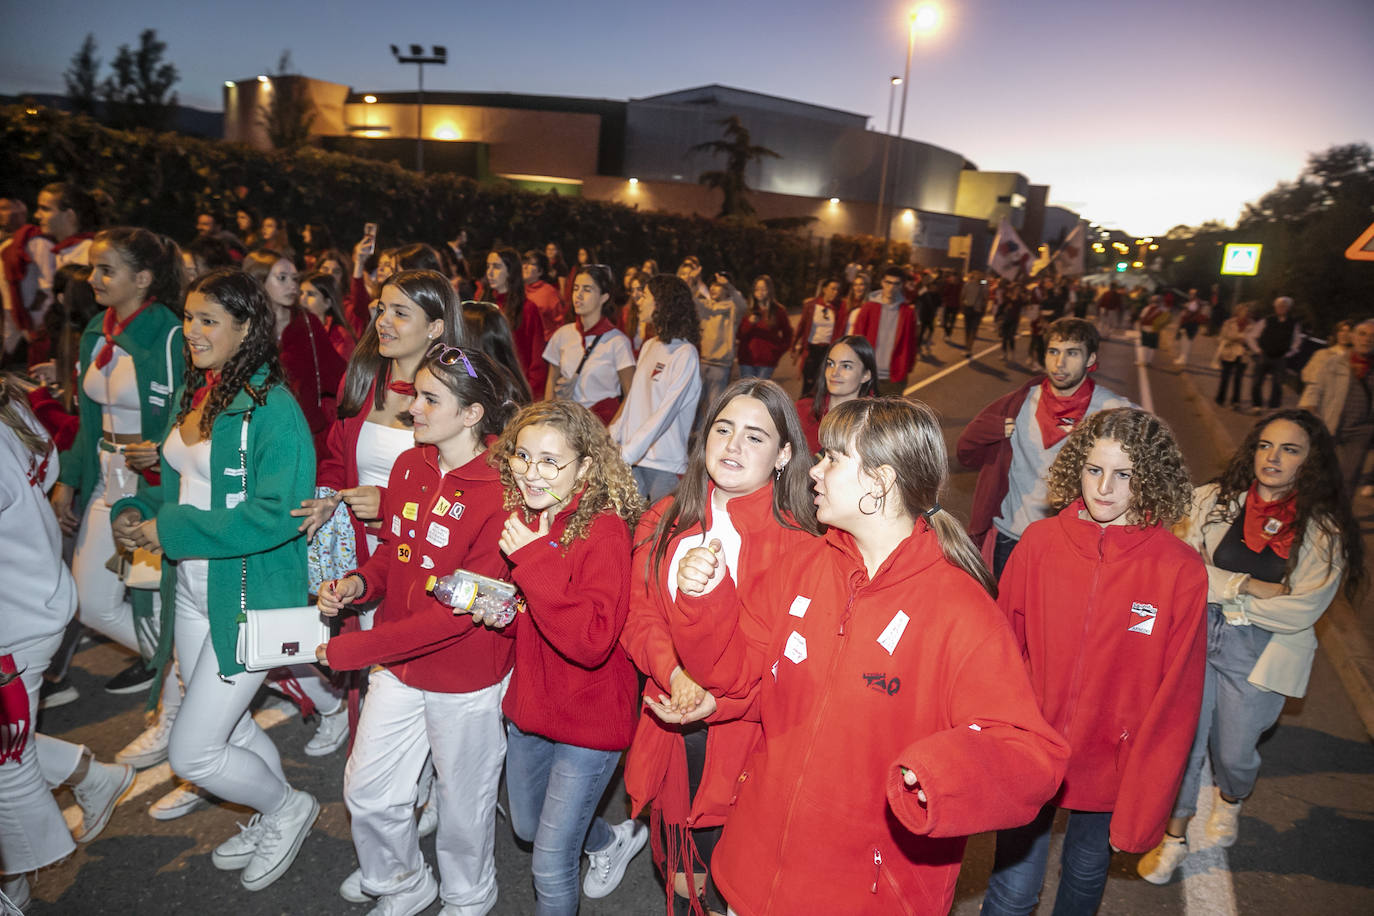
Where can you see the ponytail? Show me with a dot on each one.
(959, 549)
(157, 254)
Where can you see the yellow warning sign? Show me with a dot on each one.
(1362, 249)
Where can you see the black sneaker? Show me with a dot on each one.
(52, 694)
(132, 679)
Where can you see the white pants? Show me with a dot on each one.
(100, 592)
(215, 742)
(32, 831)
(399, 726)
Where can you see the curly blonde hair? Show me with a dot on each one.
(608, 484)
(1161, 492)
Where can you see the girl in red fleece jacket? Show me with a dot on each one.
(1108, 607)
(441, 680)
(570, 709)
(897, 718)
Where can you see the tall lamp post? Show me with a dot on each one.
(438, 55)
(887, 148)
(923, 19)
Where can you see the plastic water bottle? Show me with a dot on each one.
(472, 593)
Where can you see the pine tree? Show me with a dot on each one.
(81, 78)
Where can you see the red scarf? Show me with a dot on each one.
(1359, 365)
(601, 327)
(16, 264)
(112, 328)
(72, 241)
(1270, 524)
(203, 392)
(1058, 416)
(400, 386)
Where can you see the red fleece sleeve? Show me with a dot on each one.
(980, 441)
(645, 635)
(997, 763)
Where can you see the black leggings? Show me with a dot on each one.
(705, 838)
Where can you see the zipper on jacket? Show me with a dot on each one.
(1077, 681)
(877, 869)
(849, 603)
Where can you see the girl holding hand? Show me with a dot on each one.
(571, 707)
(439, 680)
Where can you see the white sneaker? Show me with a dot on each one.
(429, 817)
(331, 734)
(237, 851)
(179, 802)
(150, 747)
(16, 890)
(283, 832)
(352, 888)
(1224, 822)
(411, 902)
(608, 865)
(105, 784)
(1159, 864)
(481, 908)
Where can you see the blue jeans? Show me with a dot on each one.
(755, 371)
(1018, 868)
(653, 484)
(554, 790)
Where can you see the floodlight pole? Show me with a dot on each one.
(418, 57)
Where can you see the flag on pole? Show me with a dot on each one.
(1009, 257)
(1068, 260)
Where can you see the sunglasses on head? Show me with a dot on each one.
(449, 356)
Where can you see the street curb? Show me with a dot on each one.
(1338, 631)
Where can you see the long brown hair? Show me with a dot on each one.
(905, 435)
(1322, 500)
(793, 506)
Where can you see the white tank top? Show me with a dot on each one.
(115, 389)
(192, 462)
(378, 448)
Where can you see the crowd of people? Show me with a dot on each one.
(740, 595)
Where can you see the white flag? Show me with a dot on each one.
(1009, 257)
(1068, 260)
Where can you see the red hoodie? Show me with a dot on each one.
(313, 370)
(573, 683)
(763, 339)
(914, 667)
(903, 346)
(433, 524)
(1118, 669)
(656, 766)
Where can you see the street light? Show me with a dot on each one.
(924, 19)
(417, 56)
(887, 148)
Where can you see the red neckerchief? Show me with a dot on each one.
(1359, 365)
(1270, 524)
(1058, 416)
(601, 327)
(16, 264)
(203, 392)
(111, 328)
(72, 241)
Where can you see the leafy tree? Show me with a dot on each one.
(137, 92)
(81, 77)
(289, 113)
(730, 181)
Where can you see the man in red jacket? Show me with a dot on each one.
(889, 323)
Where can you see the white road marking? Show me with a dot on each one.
(1147, 401)
(1208, 889)
(160, 775)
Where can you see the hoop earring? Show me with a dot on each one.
(877, 504)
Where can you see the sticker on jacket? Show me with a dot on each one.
(441, 507)
(457, 511)
(799, 606)
(411, 511)
(796, 648)
(893, 632)
(396, 525)
(1147, 611)
(437, 535)
(403, 553)
(233, 499)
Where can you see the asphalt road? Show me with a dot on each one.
(1306, 841)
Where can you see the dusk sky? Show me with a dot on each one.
(1138, 115)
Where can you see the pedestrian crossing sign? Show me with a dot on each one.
(1362, 249)
(1240, 260)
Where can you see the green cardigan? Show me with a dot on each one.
(280, 462)
(154, 341)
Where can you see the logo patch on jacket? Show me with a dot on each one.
(1148, 612)
(658, 370)
(881, 683)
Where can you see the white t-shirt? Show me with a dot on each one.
(115, 388)
(730, 542)
(599, 377)
(656, 420)
(822, 323)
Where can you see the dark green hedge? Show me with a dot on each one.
(162, 180)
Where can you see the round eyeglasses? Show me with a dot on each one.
(548, 468)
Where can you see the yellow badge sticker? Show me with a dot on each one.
(411, 510)
(442, 506)
(403, 553)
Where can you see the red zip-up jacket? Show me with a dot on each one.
(763, 339)
(313, 370)
(914, 667)
(433, 523)
(573, 683)
(903, 347)
(985, 446)
(1112, 624)
(529, 340)
(801, 339)
(656, 766)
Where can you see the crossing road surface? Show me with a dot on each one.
(1307, 836)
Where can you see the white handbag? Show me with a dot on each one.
(274, 637)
